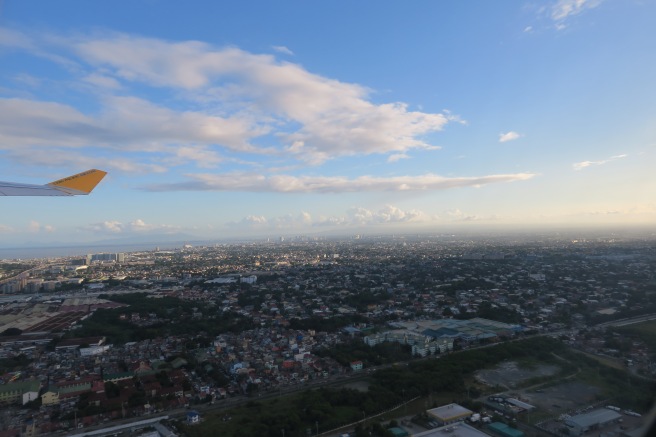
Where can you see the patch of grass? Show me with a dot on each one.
(645, 331)
(605, 361)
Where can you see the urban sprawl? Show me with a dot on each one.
(169, 341)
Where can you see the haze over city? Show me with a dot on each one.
(218, 120)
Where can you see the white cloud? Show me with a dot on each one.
(5, 228)
(356, 216)
(110, 226)
(254, 220)
(138, 225)
(397, 156)
(282, 49)
(288, 221)
(563, 9)
(15, 39)
(246, 96)
(127, 124)
(387, 214)
(36, 227)
(66, 158)
(318, 184)
(460, 216)
(584, 164)
(508, 136)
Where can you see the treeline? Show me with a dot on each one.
(449, 372)
(321, 409)
(175, 318)
(332, 324)
(642, 331)
(330, 409)
(12, 364)
(384, 353)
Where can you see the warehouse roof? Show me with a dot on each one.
(594, 417)
(447, 413)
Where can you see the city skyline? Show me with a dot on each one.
(217, 121)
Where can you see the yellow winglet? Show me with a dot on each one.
(82, 182)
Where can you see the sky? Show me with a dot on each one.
(257, 118)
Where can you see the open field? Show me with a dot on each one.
(562, 398)
(645, 331)
(510, 375)
(606, 361)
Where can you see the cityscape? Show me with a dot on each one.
(327, 218)
(177, 341)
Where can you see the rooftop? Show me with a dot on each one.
(449, 412)
(594, 417)
(460, 430)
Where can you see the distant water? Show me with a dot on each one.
(53, 252)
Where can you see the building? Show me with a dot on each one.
(19, 392)
(356, 366)
(105, 257)
(448, 414)
(594, 419)
(193, 417)
(252, 279)
(460, 430)
(51, 397)
(503, 430)
(421, 344)
(398, 432)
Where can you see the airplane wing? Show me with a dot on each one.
(81, 183)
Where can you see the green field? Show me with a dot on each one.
(645, 331)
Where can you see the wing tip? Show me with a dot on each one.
(80, 183)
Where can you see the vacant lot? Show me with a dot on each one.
(510, 375)
(563, 398)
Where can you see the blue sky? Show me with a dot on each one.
(222, 119)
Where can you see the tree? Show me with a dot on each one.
(11, 332)
(112, 390)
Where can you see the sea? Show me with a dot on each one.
(65, 251)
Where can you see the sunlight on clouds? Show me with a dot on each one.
(335, 117)
(252, 103)
(584, 164)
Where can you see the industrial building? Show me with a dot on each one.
(448, 414)
(458, 430)
(594, 419)
(19, 392)
(432, 336)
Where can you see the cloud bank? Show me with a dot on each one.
(317, 184)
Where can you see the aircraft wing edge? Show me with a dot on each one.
(78, 184)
